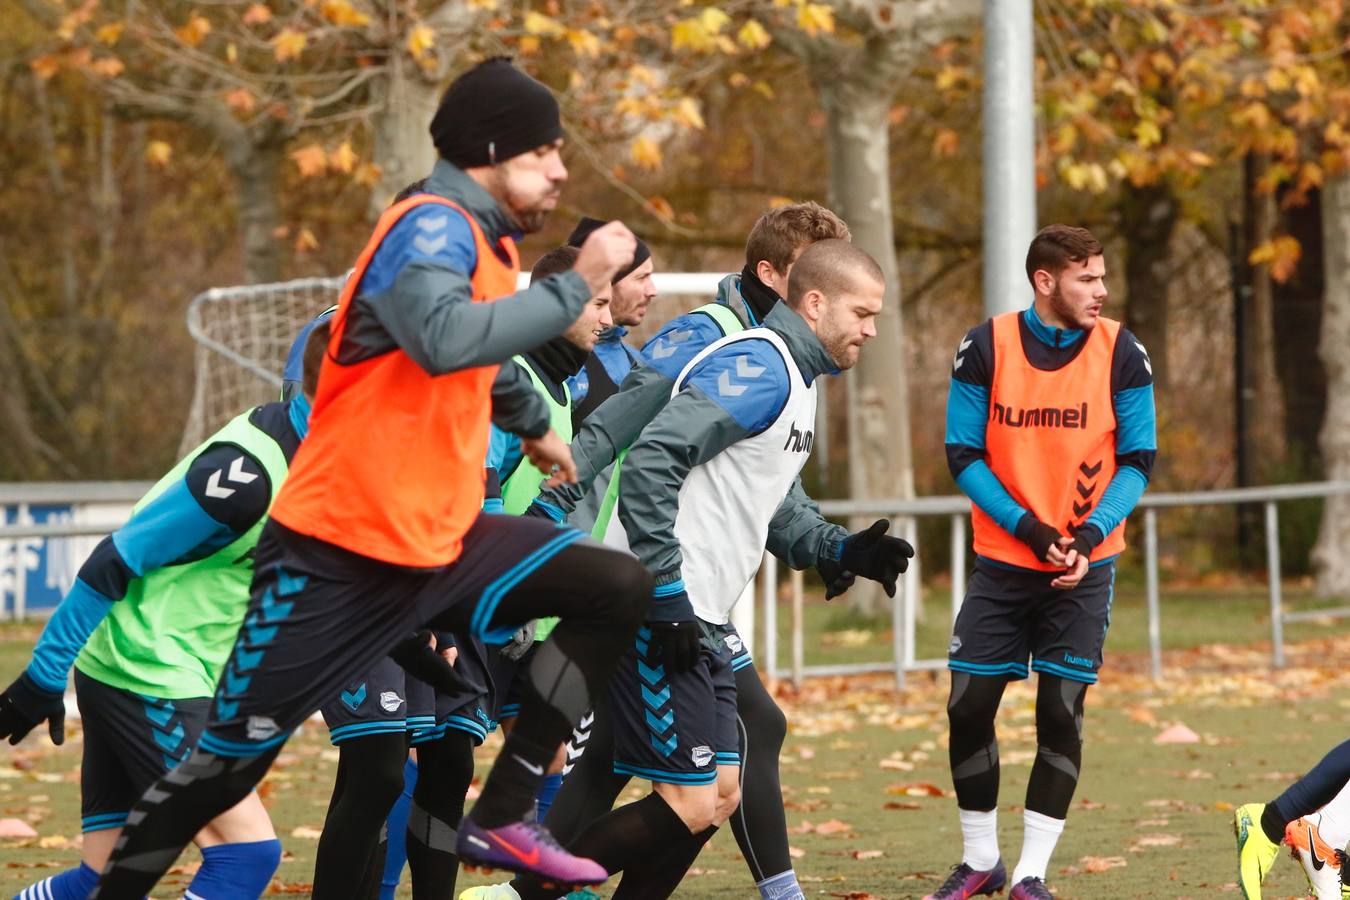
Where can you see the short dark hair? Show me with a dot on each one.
(315, 347)
(831, 266)
(1055, 246)
(781, 232)
(554, 261)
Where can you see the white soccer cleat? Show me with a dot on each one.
(1321, 862)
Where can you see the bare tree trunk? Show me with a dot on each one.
(858, 149)
(1298, 314)
(256, 166)
(1149, 216)
(1331, 555)
(403, 148)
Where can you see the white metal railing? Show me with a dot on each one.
(903, 611)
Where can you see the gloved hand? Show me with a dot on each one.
(674, 629)
(24, 706)
(520, 642)
(1037, 535)
(420, 659)
(1085, 539)
(877, 556)
(836, 578)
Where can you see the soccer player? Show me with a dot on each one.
(379, 530)
(1260, 827)
(148, 625)
(797, 534)
(726, 449)
(1050, 432)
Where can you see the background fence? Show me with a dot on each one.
(49, 530)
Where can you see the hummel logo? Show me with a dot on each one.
(532, 767)
(433, 223)
(1148, 363)
(665, 347)
(236, 474)
(429, 247)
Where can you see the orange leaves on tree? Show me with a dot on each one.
(241, 100)
(702, 33)
(343, 14)
(661, 208)
(74, 20)
(343, 159)
(45, 66)
(421, 39)
(945, 142)
(688, 113)
(110, 33)
(195, 31)
(815, 18)
(158, 153)
(310, 159)
(646, 153)
(107, 67)
(540, 25)
(1281, 254)
(367, 174)
(305, 241)
(584, 43)
(288, 44)
(257, 14)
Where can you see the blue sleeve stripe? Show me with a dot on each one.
(69, 627)
(669, 589)
(493, 505)
(1136, 422)
(1119, 499)
(554, 512)
(984, 489)
(168, 528)
(967, 414)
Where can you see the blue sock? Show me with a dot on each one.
(235, 871)
(72, 884)
(547, 791)
(396, 853)
(782, 886)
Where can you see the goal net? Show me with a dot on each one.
(243, 335)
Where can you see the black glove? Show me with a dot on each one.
(836, 578)
(674, 629)
(1085, 539)
(877, 556)
(417, 657)
(1037, 535)
(24, 706)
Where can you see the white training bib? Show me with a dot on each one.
(726, 504)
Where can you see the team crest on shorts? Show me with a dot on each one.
(260, 728)
(955, 646)
(734, 643)
(390, 701)
(701, 756)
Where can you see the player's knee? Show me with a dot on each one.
(627, 590)
(1059, 719)
(767, 723)
(973, 704)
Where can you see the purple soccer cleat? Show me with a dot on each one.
(1030, 888)
(527, 848)
(965, 882)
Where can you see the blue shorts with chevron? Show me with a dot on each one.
(130, 740)
(674, 727)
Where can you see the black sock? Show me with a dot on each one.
(369, 780)
(445, 768)
(1272, 823)
(631, 835)
(661, 878)
(508, 795)
(371, 882)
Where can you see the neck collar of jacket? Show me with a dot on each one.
(729, 295)
(558, 360)
(807, 350)
(453, 183)
(298, 409)
(758, 295)
(613, 335)
(1047, 334)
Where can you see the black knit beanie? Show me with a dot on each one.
(493, 112)
(583, 231)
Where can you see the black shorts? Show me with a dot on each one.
(130, 741)
(1012, 614)
(319, 616)
(677, 728)
(469, 710)
(376, 703)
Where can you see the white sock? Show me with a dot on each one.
(979, 832)
(1038, 842)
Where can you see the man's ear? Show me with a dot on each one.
(765, 270)
(1043, 281)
